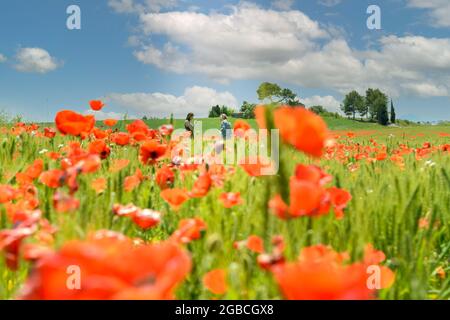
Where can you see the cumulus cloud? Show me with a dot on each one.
(439, 10)
(102, 115)
(2, 58)
(251, 42)
(35, 60)
(194, 99)
(328, 102)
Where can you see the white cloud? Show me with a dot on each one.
(329, 3)
(328, 102)
(2, 58)
(35, 60)
(439, 10)
(251, 42)
(194, 99)
(102, 115)
(283, 4)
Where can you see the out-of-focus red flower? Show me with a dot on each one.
(166, 129)
(146, 218)
(165, 177)
(118, 164)
(99, 147)
(96, 105)
(72, 123)
(65, 203)
(111, 268)
(110, 122)
(299, 127)
(133, 181)
(52, 178)
(7, 193)
(240, 128)
(174, 197)
(121, 138)
(188, 230)
(215, 281)
(152, 151)
(99, 185)
(253, 243)
(201, 186)
(230, 199)
(49, 132)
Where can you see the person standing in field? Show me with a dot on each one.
(188, 124)
(225, 127)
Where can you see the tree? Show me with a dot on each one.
(372, 96)
(288, 97)
(227, 111)
(382, 110)
(393, 115)
(318, 109)
(353, 102)
(248, 110)
(214, 112)
(268, 90)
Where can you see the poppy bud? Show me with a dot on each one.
(214, 243)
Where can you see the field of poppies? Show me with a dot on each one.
(113, 210)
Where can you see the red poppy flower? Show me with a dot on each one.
(111, 268)
(72, 123)
(240, 128)
(7, 193)
(230, 199)
(322, 277)
(131, 182)
(99, 185)
(165, 177)
(10, 242)
(201, 186)
(119, 164)
(166, 129)
(306, 198)
(99, 134)
(138, 126)
(302, 128)
(146, 218)
(339, 199)
(257, 166)
(52, 178)
(110, 122)
(215, 281)
(65, 203)
(99, 147)
(188, 230)
(96, 105)
(152, 151)
(49, 132)
(174, 197)
(279, 207)
(121, 138)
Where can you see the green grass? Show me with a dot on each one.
(386, 206)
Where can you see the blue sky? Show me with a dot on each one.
(154, 57)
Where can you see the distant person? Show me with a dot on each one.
(225, 127)
(188, 124)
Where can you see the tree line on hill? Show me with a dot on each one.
(373, 106)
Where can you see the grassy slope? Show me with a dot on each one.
(210, 123)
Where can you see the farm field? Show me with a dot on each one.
(141, 223)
